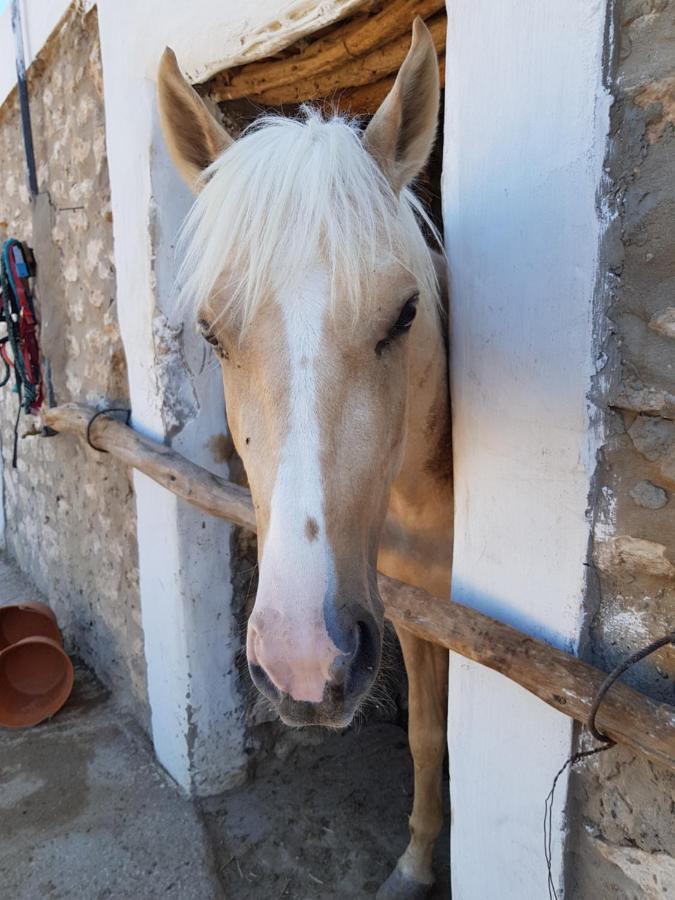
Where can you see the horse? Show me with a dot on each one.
(305, 264)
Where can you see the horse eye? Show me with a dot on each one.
(205, 331)
(407, 315)
(402, 324)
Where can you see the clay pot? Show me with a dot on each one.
(36, 678)
(22, 620)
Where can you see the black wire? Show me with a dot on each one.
(103, 412)
(607, 744)
(548, 811)
(15, 448)
(24, 106)
(617, 672)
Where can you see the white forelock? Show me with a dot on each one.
(288, 193)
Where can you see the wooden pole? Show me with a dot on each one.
(558, 678)
(201, 488)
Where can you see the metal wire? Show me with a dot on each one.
(607, 744)
(103, 412)
(617, 672)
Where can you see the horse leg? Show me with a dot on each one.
(427, 668)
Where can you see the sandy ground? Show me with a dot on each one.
(328, 822)
(86, 812)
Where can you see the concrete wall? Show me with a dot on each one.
(623, 842)
(70, 513)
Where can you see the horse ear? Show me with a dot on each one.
(402, 131)
(192, 135)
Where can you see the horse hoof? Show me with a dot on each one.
(401, 887)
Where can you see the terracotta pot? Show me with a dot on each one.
(36, 678)
(22, 620)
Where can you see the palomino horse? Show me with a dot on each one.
(305, 258)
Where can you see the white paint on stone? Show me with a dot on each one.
(525, 133)
(605, 514)
(628, 625)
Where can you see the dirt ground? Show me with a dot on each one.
(328, 822)
(87, 813)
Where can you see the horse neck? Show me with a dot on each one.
(417, 539)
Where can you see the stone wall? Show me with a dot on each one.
(70, 512)
(623, 839)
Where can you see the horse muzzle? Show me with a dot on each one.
(314, 691)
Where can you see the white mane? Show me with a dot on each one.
(285, 194)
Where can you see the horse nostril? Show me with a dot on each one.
(352, 671)
(368, 648)
(342, 664)
(263, 682)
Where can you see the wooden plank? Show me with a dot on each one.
(359, 71)
(366, 99)
(341, 45)
(558, 678)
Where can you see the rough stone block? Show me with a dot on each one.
(633, 555)
(649, 495)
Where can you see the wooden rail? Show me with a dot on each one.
(558, 678)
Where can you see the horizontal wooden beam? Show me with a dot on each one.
(214, 495)
(361, 70)
(341, 45)
(365, 99)
(558, 678)
(564, 682)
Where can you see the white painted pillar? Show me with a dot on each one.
(525, 135)
(189, 626)
(191, 635)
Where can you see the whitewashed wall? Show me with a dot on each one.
(525, 136)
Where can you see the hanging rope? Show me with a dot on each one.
(607, 744)
(18, 313)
